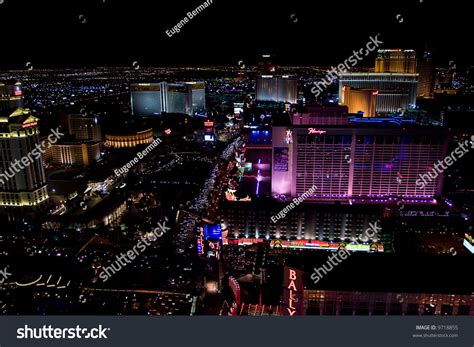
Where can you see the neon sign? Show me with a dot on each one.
(29, 125)
(314, 131)
(200, 242)
(292, 297)
(316, 244)
(293, 292)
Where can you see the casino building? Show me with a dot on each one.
(153, 99)
(197, 94)
(24, 188)
(395, 90)
(359, 165)
(308, 226)
(396, 60)
(131, 138)
(73, 153)
(83, 127)
(336, 302)
(277, 88)
(369, 160)
(395, 80)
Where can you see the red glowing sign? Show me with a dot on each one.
(18, 92)
(314, 131)
(29, 125)
(293, 292)
(200, 242)
(208, 124)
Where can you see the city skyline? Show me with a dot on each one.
(250, 158)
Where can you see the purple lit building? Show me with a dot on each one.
(368, 161)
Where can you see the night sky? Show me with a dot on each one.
(50, 33)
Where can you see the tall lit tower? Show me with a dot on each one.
(395, 61)
(22, 178)
(426, 78)
(277, 88)
(11, 95)
(84, 127)
(152, 99)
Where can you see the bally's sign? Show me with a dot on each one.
(293, 291)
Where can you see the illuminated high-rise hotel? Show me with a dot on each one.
(152, 99)
(22, 177)
(426, 79)
(277, 88)
(396, 91)
(175, 98)
(84, 127)
(146, 99)
(395, 79)
(395, 61)
(197, 94)
(369, 160)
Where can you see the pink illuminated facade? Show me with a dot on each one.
(357, 164)
(329, 115)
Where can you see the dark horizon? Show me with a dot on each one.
(51, 34)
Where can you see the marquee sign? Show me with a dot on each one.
(293, 292)
(314, 131)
